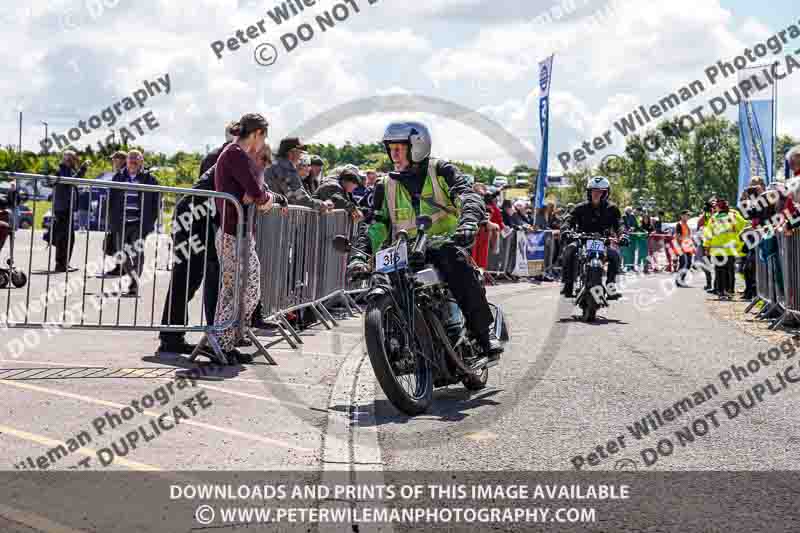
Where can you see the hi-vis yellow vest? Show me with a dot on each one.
(397, 209)
(721, 235)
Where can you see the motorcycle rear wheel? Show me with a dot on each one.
(385, 338)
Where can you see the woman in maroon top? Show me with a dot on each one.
(239, 172)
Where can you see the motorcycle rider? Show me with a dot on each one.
(423, 185)
(595, 215)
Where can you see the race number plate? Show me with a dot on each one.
(391, 259)
(596, 246)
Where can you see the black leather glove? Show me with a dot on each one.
(465, 234)
(279, 200)
(624, 241)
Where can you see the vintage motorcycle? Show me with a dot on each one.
(415, 333)
(591, 293)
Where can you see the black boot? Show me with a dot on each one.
(567, 291)
(491, 346)
(179, 346)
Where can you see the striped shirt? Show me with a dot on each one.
(133, 205)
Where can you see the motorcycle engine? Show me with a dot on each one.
(453, 320)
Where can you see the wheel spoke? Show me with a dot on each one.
(398, 341)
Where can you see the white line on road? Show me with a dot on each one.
(349, 446)
(153, 414)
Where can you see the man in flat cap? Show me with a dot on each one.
(282, 177)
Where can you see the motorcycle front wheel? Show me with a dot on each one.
(594, 278)
(400, 358)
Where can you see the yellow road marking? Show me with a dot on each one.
(88, 452)
(96, 401)
(73, 366)
(35, 521)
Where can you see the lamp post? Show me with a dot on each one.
(20, 133)
(46, 151)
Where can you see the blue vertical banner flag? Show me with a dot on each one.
(545, 77)
(756, 133)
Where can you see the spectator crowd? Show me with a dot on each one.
(243, 166)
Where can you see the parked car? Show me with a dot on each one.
(500, 182)
(668, 228)
(23, 212)
(36, 189)
(97, 209)
(24, 217)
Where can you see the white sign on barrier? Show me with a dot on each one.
(521, 263)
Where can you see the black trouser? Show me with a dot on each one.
(570, 264)
(63, 239)
(726, 274)
(465, 284)
(187, 276)
(749, 272)
(133, 261)
(684, 265)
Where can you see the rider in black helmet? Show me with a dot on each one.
(595, 215)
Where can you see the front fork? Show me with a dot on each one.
(593, 286)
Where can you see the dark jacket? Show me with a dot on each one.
(510, 220)
(522, 219)
(311, 184)
(283, 179)
(472, 208)
(630, 222)
(149, 202)
(331, 189)
(211, 159)
(201, 218)
(62, 192)
(587, 219)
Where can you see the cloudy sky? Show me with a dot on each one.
(66, 60)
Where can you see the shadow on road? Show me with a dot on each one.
(599, 321)
(449, 405)
(199, 371)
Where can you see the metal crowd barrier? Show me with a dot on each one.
(84, 296)
(550, 258)
(787, 300)
(502, 259)
(790, 261)
(766, 286)
(762, 281)
(299, 267)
